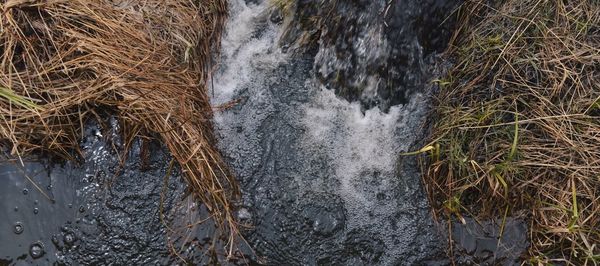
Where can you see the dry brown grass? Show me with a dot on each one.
(517, 123)
(149, 61)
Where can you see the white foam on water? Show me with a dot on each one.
(244, 54)
(358, 144)
(363, 149)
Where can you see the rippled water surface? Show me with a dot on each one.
(322, 179)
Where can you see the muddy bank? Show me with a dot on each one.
(93, 213)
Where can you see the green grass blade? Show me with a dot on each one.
(424, 149)
(9, 95)
(513, 148)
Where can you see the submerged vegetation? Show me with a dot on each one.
(517, 123)
(145, 62)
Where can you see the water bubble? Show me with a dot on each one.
(244, 214)
(36, 202)
(60, 260)
(35, 210)
(18, 228)
(81, 209)
(16, 208)
(25, 191)
(36, 250)
(69, 239)
(55, 240)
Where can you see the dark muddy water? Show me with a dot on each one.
(94, 213)
(318, 163)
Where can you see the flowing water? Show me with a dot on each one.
(323, 182)
(322, 179)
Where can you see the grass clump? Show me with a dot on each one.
(517, 123)
(146, 61)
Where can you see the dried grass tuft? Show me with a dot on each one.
(149, 61)
(517, 123)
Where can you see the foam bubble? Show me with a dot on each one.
(244, 51)
(363, 151)
(355, 152)
(359, 144)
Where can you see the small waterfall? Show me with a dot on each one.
(322, 179)
(321, 176)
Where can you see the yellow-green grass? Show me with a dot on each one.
(516, 124)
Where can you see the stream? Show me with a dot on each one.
(322, 178)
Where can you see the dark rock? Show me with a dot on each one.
(377, 52)
(481, 242)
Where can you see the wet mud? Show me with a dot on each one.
(97, 212)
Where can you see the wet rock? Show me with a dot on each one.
(375, 52)
(276, 16)
(480, 242)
